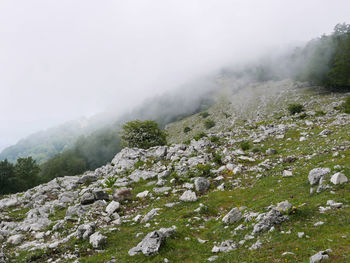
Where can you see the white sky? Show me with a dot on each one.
(62, 59)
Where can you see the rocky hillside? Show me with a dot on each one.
(260, 186)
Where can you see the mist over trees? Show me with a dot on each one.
(327, 59)
(324, 61)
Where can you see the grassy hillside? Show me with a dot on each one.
(300, 144)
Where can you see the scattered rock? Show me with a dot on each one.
(320, 256)
(233, 216)
(151, 244)
(267, 220)
(339, 178)
(316, 174)
(112, 207)
(87, 198)
(225, 246)
(287, 173)
(188, 196)
(201, 184)
(97, 240)
(284, 206)
(15, 239)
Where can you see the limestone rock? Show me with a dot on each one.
(316, 174)
(112, 207)
(201, 184)
(339, 178)
(188, 196)
(97, 240)
(151, 244)
(233, 216)
(320, 256)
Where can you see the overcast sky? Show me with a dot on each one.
(62, 59)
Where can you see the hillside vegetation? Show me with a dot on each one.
(262, 185)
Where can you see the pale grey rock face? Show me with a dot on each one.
(233, 216)
(153, 241)
(149, 245)
(97, 240)
(85, 230)
(76, 211)
(150, 215)
(143, 194)
(87, 198)
(316, 174)
(320, 256)
(141, 174)
(188, 196)
(339, 178)
(15, 239)
(163, 189)
(225, 246)
(101, 195)
(127, 158)
(88, 178)
(284, 206)
(201, 184)
(325, 132)
(268, 220)
(112, 207)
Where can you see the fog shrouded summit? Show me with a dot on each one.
(60, 60)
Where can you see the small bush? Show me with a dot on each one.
(187, 129)
(143, 134)
(209, 124)
(204, 114)
(295, 108)
(200, 136)
(302, 116)
(256, 150)
(245, 146)
(346, 105)
(217, 158)
(214, 139)
(320, 113)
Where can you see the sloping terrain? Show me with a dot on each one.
(260, 186)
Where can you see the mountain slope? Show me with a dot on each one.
(276, 214)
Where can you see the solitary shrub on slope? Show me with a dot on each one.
(209, 124)
(187, 129)
(295, 108)
(143, 134)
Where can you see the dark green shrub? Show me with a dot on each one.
(209, 124)
(346, 105)
(143, 134)
(217, 158)
(320, 113)
(200, 136)
(187, 129)
(295, 108)
(245, 146)
(204, 114)
(214, 139)
(302, 116)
